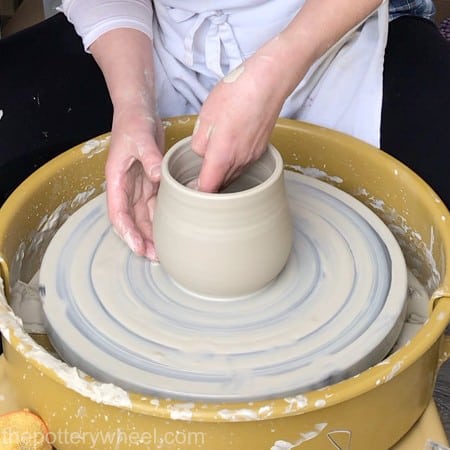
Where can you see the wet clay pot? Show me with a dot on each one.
(213, 244)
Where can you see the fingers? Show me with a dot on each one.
(125, 227)
(153, 171)
(150, 251)
(144, 210)
(144, 220)
(201, 136)
(132, 175)
(131, 212)
(215, 170)
(119, 201)
(218, 159)
(150, 156)
(225, 155)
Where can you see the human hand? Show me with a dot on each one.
(236, 121)
(132, 176)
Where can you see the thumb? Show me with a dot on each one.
(151, 163)
(153, 172)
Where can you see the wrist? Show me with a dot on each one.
(284, 64)
(135, 118)
(138, 99)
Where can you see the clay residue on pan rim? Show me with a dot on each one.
(11, 327)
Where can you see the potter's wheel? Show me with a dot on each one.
(336, 309)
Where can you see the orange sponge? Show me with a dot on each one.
(23, 430)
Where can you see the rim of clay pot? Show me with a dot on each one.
(181, 145)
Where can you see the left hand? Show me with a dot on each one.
(132, 176)
(236, 121)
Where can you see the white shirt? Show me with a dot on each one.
(197, 43)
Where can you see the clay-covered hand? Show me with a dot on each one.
(236, 120)
(132, 176)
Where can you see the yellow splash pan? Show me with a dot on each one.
(372, 410)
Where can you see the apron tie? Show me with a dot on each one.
(220, 40)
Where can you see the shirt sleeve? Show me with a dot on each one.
(94, 18)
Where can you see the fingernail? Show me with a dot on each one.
(132, 242)
(152, 256)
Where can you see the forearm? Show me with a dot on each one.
(317, 27)
(125, 57)
(119, 34)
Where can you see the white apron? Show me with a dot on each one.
(197, 43)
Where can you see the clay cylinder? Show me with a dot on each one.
(227, 244)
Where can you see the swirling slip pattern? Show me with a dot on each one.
(337, 307)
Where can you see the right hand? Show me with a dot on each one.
(132, 176)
